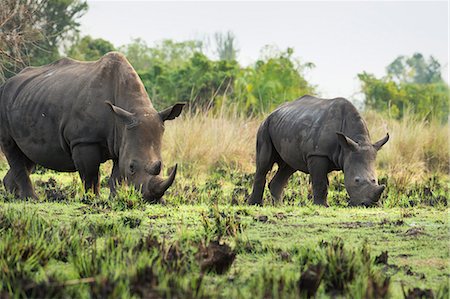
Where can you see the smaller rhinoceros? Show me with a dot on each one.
(317, 136)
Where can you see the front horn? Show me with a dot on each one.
(164, 185)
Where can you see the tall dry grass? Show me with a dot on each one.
(205, 141)
(416, 148)
(202, 142)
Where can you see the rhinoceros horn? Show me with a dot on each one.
(165, 184)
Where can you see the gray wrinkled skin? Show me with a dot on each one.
(317, 136)
(73, 116)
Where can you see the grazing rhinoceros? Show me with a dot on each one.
(317, 136)
(73, 116)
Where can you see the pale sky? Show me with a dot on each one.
(341, 38)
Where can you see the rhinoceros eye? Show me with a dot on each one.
(357, 179)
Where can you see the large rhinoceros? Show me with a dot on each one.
(317, 136)
(72, 116)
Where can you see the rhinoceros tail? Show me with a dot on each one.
(264, 147)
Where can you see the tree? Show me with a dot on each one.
(180, 71)
(412, 83)
(31, 31)
(415, 69)
(274, 79)
(166, 53)
(58, 19)
(226, 46)
(138, 54)
(17, 33)
(89, 49)
(198, 80)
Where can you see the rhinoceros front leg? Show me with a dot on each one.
(280, 180)
(17, 180)
(87, 159)
(318, 169)
(114, 178)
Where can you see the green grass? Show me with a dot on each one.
(69, 244)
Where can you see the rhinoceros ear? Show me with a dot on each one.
(377, 145)
(171, 112)
(126, 117)
(346, 142)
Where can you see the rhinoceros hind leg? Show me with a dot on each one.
(280, 180)
(87, 159)
(17, 180)
(264, 163)
(318, 169)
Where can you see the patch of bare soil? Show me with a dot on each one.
(382, 258)
(310, 280)
(285, 256)
(157, 216)
(262, 218)
(215, 257)
(416, 293)
(386, 221)
(356, 224)
(280, 216)
(359, 224)
(377, 289)
(415, 232)
(430, 198)
(53, 191)
(144, 283)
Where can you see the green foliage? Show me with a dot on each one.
(59, 21)
(127, 197)
(274, 79)
(32, 31)
(89, 49)
(167, 53)
(198, 81)
(412, 84)
(173, 72)
(226, 46)
(415, 69)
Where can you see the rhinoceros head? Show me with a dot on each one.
(140, 148)
(360, 177)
